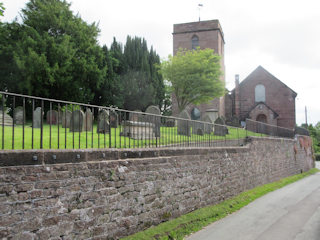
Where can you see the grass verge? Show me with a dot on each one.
(180, 227)
(54, 137)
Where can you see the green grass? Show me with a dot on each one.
(88, 139)
(192, 222)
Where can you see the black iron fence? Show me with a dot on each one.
(28, 122)
(265, 129)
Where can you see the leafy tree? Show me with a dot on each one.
(194, 75)
(135, 58)
(57, 54)
(108, 93)
(137, 92)
(2, 8)
(315, 134)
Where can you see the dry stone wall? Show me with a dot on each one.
(108, 194)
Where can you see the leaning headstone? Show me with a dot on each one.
(103, 121)
(88, 119)
(219, 128)
(7, 119)
(184, 125)
(37, 114)
(208, 126)
(156, 120)
(113, 118)
(77, 121)
(18, 116)
(52, 117)
(66, 118)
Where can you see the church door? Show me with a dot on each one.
(262, 118)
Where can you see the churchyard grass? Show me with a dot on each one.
(168, 137)
(194, 221)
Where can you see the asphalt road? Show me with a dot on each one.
(290, 213)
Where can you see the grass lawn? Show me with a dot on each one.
(55, 137)
(182, 226)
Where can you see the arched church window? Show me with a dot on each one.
(260, 93)
(195, 42)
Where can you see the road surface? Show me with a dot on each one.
(289, 213)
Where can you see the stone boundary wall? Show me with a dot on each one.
(106, 194)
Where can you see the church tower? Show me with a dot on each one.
(203, 34)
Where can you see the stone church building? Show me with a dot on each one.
(260, 96)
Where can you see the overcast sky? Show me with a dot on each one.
(283, 36)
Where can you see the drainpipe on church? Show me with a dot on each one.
(237, 96)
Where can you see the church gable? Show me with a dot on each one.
(263, 97)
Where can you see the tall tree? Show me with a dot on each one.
(57, 55)
(108, 93)
(141, 61)
(194, 76)
(1, 9)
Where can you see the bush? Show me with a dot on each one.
(317, 156)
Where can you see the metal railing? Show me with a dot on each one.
(28, 122)
(265, 129)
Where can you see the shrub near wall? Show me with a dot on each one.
(123, 191)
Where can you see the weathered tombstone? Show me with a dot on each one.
(7, 119)
(66, 118)
(213, 114)
(77, 121)
(156, 120)
(184, 125)
(233, 121)
(170, 123)
(52, 117)
(197, 128)
(37, 115)
(208, 126)
(18, 116)
(136, 116)
(219, 128)
(103, 121)
(138, 130)
(113, 118)
(88, 119)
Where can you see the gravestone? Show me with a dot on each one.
(37, 115)
(7, 119)
(77, 120)
(88, 120)
(52, 116)
(136, 116)
(213, 114)
(219, 128)
(197, 128)
(113, 118)
(170, 122)
(184, 125)
(18, 116)
(103, 121)
(156, 120)
(233, 121)
(138, 130)
(208, 126)
(66, 118)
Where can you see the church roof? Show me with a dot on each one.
(261, 70)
